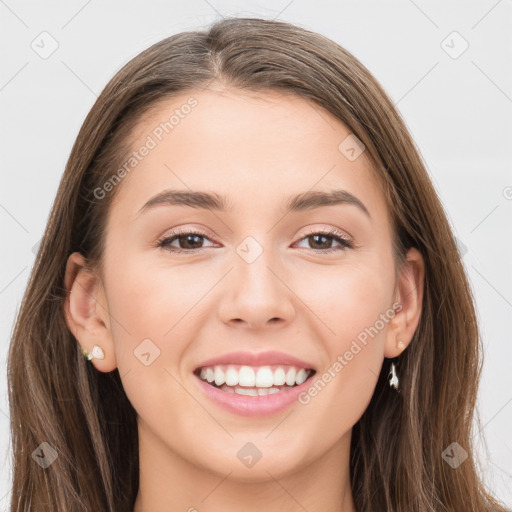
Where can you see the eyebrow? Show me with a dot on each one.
(212, 201)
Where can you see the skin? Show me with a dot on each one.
(258, 150)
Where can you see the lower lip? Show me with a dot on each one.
(244, 405)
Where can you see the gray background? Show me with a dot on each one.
(457, 107)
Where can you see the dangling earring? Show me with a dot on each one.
(97, 353)
(393, 377)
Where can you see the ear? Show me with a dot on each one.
(86, 311)
(409, 299)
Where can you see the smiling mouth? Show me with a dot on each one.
(252, 380)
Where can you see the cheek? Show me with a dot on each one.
(346, 299)
(355, 309)
(152, 318)
(149, 297)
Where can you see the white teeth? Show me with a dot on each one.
(279, 377)
(246, 391)
(264, 377)
(246, 377)
(290, 377)
(231, 377)
(220, 378)
(210, 376)
(253, 391)
(301, 376)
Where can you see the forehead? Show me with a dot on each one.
(251, 147)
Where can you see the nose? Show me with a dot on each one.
(257, 295)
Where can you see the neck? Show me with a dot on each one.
(168, 482)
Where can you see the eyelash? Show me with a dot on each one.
(333, 233)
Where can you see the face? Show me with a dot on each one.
(255, 291)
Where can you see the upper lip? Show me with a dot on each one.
(257, 359)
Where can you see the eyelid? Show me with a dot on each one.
(201, 231)
(328, 231)
(185, 230)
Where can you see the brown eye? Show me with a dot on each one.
(186, 241)
(189, 241)
(322, 241)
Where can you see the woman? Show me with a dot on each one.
(247, 249)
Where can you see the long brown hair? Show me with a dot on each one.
(84, 415)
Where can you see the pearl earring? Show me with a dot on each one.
(96, 353)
